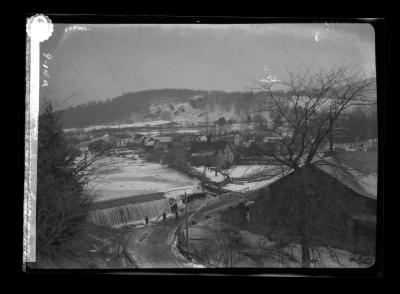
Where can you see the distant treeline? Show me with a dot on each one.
(123, 108)
(117, 109)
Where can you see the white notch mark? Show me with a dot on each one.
(316, 37)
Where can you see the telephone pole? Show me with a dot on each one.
(187, 228)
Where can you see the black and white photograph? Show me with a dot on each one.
(201, 145)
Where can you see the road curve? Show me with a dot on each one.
(153, 246)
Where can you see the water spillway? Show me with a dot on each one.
(129, 214)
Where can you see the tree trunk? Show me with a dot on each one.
(305, 251)
(304, 242)
(331, 137)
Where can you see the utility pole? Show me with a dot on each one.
(187, 228)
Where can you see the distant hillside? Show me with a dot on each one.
(179, 105)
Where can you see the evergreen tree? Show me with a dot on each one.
(62, 204)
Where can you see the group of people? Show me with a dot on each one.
(209, 169)
(146, 219)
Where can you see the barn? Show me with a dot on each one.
(344, 201)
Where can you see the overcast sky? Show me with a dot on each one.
(100, 61)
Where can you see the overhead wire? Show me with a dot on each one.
(76, 70)
(106, 62)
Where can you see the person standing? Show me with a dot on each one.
(248, 214)
(164, 215)
(146, 220)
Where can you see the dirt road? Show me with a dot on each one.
(153, 246)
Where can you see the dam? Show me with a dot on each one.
(136, 189)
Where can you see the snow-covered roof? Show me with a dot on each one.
(123, 136)
(105, 138)
(149, 143)
(362, 183)
(164, 139)
(203, 153)
(181, 191)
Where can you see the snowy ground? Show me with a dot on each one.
(255, 250)
(211, 174)
(267, 174)
(134, 176)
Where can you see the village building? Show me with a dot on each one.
(161, 146)
(255, 154)
(216, 154)
(188, 138)
(163, 142)
(177, 153)
(99, 145)
(229, 138)
(148, 144)
(203, 138)
(83, 147)
(237, 140)
(123, 140)
(82, 136)
(137, 139)
(371, 145)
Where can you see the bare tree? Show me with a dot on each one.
(228, 250)
(315, 100)
(92, 167)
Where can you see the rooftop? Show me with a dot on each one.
(359, 175)
(362, 182)
(363, 161)
(164, 139)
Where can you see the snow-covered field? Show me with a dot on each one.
(185, 113)
(271, 173)
(240, 175)
(135, 177)
(250, 186)
(246, 171)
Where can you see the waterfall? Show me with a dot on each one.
(129, 214)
